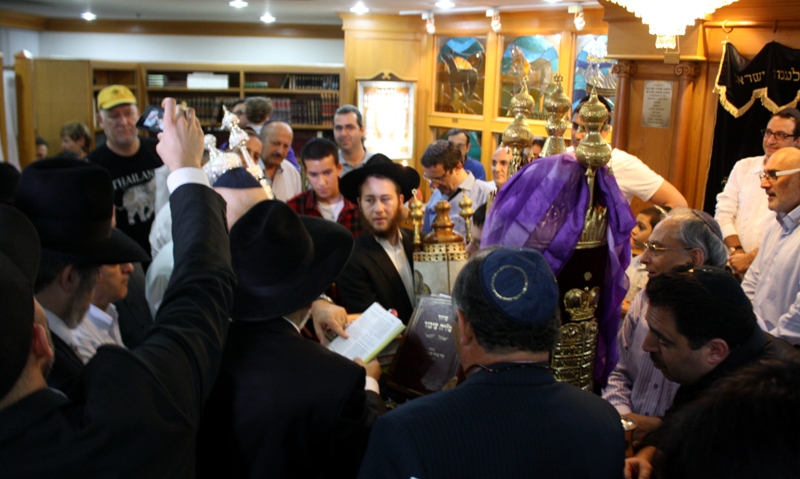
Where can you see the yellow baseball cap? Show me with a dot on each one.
(114, 95)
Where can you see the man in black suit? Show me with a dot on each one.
(382, 266)
(283, 405)
(76, 238)
(132, 413)
(510, 418)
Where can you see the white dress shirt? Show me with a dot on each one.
(742, 206)
(97, 328)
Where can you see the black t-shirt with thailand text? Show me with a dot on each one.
(134, 187)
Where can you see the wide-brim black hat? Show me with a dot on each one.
(19, 264)
(283, 262)
(70, 202)
(406, 177)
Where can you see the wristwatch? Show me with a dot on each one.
(733, 249)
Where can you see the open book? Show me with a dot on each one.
(369, 334)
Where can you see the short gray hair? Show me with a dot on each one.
(697, 229)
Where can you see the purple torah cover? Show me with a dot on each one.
(543, 207)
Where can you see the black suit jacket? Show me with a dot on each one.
(507, 424)
(370, 276)
(135, 413)
(284, 406)
(67, 366)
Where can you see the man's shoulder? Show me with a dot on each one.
(777, 348)
(299, 202)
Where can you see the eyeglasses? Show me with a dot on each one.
(437, 179)
(779, 135)
(657, 249)
(772, 175)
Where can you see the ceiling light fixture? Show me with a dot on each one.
(666, 21)
(553, 1)
(579, 20)
(445, 4)
(88, 16)
(359, 8)
(237, 4)
(267, 18)
(430, 26)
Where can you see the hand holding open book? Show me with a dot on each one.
(369, 334)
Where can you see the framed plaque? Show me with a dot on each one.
(388, 110)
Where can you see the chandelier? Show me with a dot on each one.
(668, 19)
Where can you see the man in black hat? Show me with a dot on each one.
(132, 413)
(76, 238)
(284, 406)
(382, 266)
(510, 418)
(702, 329)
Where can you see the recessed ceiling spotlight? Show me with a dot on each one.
(552, 1)
(359, 8)
(88, 16)
(267, 18)
(237, 4)
(445, 4)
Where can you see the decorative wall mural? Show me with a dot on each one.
(534, 57)
(460, 73)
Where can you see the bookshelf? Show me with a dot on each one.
(306, 97)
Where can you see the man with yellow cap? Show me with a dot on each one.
(131, 160)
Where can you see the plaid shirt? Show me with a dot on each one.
(306, 204)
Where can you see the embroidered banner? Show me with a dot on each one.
(773, 78)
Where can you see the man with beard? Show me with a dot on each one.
(381, 268)
(635, 387)
(276, 137)
(76, 238)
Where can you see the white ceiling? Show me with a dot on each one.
(286, 11)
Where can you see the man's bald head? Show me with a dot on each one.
(276, 137)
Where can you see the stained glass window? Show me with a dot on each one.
(460, 72)
(592, 68)
(533, 56)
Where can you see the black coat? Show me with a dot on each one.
(517, 423)
(135, 413)
(284, 406)
(370, 276)
(67, 366)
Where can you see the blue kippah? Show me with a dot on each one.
(519, 283)
(237, 178)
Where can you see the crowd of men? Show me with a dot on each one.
(214, 363)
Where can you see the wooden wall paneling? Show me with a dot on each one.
(625, 71)
(686, 73)
(26, 138)
(652, 145)
(3, 130)
(61, 94)
(704, 104)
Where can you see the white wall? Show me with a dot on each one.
(12, 40)
(191, 49)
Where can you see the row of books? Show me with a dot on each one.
(311, 82)
(208, 109)
(307, 111)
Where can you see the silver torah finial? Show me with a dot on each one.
(238, 142)
(218, 161)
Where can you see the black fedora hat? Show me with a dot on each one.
(282, 261)
(406, 177)
(19, 263)
(70, 203)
